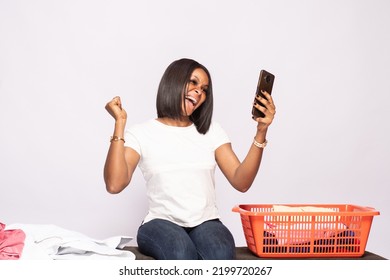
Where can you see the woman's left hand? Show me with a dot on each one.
(269, 111)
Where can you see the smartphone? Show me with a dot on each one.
(265, 83)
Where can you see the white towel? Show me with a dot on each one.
(54, 242)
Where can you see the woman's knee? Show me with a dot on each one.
(214, 241)
(165, 240)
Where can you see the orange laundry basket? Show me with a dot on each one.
(340, 232)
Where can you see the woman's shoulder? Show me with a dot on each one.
(215, 125)
(141, 124)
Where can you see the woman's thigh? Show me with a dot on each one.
(213, 241)
(164, 240)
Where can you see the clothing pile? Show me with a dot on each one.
(50, 242)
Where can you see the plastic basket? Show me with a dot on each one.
(341, 233)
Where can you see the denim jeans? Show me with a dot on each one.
(164, 240)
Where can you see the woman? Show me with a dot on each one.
(177, 154)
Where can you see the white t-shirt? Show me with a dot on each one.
(178, 164)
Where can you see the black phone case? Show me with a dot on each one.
(265, 83)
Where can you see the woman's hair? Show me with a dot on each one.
(172, 87)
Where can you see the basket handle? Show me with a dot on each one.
(238, 209)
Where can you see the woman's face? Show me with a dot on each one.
(196, 91)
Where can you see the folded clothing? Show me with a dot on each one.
(53, 242)
(11, 243)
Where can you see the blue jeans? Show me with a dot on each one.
(164, 240)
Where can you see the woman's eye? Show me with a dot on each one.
(193, 82)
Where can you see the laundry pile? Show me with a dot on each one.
(51, 242)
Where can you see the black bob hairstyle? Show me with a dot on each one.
(172, 87)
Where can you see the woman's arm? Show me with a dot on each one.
(121, 161)
(242, 174)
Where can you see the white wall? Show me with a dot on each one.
(61, 61)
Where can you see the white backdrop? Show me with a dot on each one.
(61, 61)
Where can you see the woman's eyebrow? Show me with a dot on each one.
(194, 76)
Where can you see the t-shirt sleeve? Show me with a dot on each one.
(131, 141)
(220, 136)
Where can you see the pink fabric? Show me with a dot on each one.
(11, 243)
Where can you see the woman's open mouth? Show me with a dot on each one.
(192, 100)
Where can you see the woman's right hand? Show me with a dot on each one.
(114, 107)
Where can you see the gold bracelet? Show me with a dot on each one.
(117, 138)
(260, 145)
